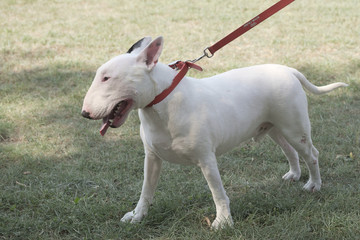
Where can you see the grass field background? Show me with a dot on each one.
(59, 179)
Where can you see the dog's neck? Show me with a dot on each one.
(162, 77)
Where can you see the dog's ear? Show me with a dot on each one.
(150, 55)
(139, 45)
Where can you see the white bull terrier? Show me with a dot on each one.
(203, 118)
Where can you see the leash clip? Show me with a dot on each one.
(178, 64)
(206, 53)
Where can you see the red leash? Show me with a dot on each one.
(249, 25)
(210, 51)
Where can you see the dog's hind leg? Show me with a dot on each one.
(300, 140)
(290, 153)
(211, 173)
(291, 118)
(152, 168)
(312, 162)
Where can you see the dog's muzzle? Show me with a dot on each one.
(86, 114)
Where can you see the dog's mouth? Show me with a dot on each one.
(117, 115)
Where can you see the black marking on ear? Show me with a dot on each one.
(136, 45)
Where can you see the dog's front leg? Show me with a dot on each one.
(152, 168)
(211, 172)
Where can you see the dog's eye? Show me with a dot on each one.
(105, 79)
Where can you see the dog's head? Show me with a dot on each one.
(122, 84)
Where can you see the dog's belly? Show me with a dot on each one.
(188, 145)
(256, 132)
(188, 151)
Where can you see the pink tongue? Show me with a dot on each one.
(104, 127)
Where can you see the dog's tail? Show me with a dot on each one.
(315, 89)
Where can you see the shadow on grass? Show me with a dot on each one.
(79, 184)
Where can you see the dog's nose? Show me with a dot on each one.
(85, 114)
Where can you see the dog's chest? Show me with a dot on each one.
(173, 147)
(174, 154)
(180, 150)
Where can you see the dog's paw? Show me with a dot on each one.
(132, 217)
(292, 176)
(312, 186)
(220, 223)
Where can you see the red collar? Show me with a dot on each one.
(184, 67)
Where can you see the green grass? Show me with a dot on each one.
(59, 179)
